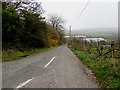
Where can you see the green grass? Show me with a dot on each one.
(106, 70)
(11, 55)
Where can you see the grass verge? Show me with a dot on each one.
(106, 70)
(11, 55)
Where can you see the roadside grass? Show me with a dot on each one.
(106, 70)
(11, 55)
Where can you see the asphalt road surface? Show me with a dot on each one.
(56, 68)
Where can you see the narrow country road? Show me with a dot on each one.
(57, 68)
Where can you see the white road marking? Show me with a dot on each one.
(24, 83)
(49, 62)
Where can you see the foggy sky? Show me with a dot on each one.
(96, 15)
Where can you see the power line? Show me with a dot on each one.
(81, 12)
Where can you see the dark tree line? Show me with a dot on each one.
(24, 26)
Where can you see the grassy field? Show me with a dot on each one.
(98, 35)
(10, 55)
(107, 71)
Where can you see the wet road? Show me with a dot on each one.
(57, 68)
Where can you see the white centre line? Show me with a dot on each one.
(24, 83)
(49, 62)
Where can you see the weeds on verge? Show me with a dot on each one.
(107, 70)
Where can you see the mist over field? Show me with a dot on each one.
(108, 33)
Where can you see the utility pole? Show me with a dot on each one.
(70, 34)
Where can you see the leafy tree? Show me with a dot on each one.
(53, 36)
(24, 26)
(13, 25)
(35, 28)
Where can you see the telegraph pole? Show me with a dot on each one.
(70, 34)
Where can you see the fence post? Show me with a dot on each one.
(112, 48)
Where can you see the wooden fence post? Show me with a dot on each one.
(112, 48)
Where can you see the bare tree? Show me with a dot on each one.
(56, 22)
(30, 5)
